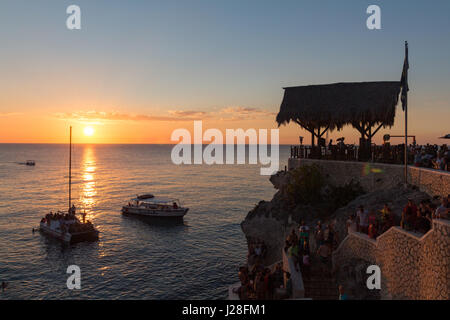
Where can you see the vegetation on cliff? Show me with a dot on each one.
(305, 193)
(307, 186)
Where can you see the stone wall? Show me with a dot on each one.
(413, 266)
(377, 176)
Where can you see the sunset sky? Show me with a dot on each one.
(137, 70)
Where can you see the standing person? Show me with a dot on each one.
(386, 218)
(372, 231)
(259, 285)
(292, 237)
(304, 232)
(331, 239)
(306, 263)
(362, 217)
(288, 285)
(351, 224)
(324, 252)
(342, 294)
(318, 234)
(268, 288)
(293, 253)
(277, 277)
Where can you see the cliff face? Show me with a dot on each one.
(272, 221)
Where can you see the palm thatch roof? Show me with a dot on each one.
(335, 105)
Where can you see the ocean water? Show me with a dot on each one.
(133, 259)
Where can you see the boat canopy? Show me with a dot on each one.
(155, 200)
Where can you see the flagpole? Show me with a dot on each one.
(406, 115)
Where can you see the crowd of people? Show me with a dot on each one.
(413, 218)
(259, 282)
(370, 222)
(257, 250)
(262, 283)
(426, 156)
(68, 221)
(432, 156)
(419, 218)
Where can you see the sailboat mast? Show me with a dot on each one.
(70, 169)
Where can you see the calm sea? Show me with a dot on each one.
(133, 259)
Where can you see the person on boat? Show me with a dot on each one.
(175, 206)
(84, 216)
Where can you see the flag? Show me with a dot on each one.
(404, 79)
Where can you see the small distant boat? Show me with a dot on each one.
(66, 226)
(28, 163)
(147, 205)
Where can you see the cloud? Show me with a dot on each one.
(189, 113)
(101, 116)
(245, 113)
(228, 113)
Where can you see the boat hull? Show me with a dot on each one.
(153, 213)
(69, 237)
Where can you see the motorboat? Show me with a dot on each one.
(147, 205)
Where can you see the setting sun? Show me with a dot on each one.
(88, 131)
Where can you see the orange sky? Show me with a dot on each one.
(120, 127)
(136, 80)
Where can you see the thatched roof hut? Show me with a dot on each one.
(331, 106)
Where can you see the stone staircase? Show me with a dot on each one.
(321, 284)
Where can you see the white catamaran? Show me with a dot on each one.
(147, 205)
(66, 226)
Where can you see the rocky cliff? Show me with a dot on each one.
(273, 220)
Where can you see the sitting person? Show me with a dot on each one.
(422, 222)
(409, 215)
(277, 277)
(285, 292)
(442, 212)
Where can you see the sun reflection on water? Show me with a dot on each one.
(89, 191)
